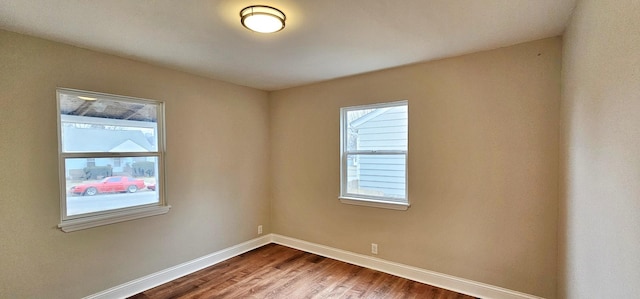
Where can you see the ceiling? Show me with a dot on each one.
(323, 39)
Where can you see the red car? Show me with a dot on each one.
(109, 185)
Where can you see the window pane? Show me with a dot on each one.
(105, 186)
(107, 125)
(377, 175)
(377, 129)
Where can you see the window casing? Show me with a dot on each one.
(111, 158)
(373, 155)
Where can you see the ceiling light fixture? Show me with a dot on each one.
(263, 19)
(87, 98)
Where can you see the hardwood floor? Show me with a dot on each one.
(275, 271)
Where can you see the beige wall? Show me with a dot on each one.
(483, 166)
(600, 199)
(217, 138)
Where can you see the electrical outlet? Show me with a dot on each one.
(374, 248)
(259, 229)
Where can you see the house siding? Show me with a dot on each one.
(383, 174)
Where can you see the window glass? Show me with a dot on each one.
(378, 176)
(91, 191)
(374, 152)
(101, 188)
(111, 155)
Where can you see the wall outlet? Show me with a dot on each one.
(259, 229)
(374, 248)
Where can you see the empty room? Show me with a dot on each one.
(320, 149)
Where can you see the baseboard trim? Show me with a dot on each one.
(147, 282)
(460, 285)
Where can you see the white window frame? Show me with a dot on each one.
(71, 223)
(367, 200)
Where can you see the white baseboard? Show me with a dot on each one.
(460, 285)
(144, 283)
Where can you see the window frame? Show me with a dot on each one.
(69, 223)
(370, 200)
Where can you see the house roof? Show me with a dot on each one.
(102, 140)
(369, 116)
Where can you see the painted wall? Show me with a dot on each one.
(217, 139)
(483, 166)
(600, 198)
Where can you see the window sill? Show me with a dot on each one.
(110, 218)
(374, 203)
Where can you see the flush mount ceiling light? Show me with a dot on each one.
(263, 19)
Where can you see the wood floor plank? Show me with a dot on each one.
(295, 278)
(275, 271)
(225, 282)
(290, 269)
(312, 284)
(344, 281)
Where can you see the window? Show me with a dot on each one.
(116, 162)
(111, 157)
(373, 166)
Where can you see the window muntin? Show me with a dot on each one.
(374, 142)
(111, 152)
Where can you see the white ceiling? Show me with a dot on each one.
(323, 39)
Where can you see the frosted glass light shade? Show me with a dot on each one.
(263, 19)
